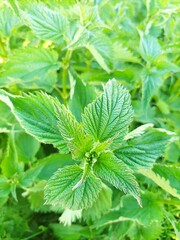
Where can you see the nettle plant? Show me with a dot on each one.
(103, 150)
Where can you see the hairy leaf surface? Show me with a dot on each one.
(36, 114)
(142, 151)
(72, 132)
(167, 177)
(59, 188)
(111, 169)
(109, 115)
(150, 83)
(149, 47)
(101, 48)
(31, 67)
(46, 23)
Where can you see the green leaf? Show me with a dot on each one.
(74, 232)
(151, 211)
(59, 188)
(124, 54)
(173, 222)
(72, 132)
(8, 20)
(101, 206)
(148, 232)
(7, 119)
(101, 48)
(11, 164)
(169, 172)
(31, 67)
(44, 168)
(21, 148)
(143, 150)
(46, 23)
(150, 83)
(36, 114)
(27, 147)
(149, 47)
(81, 97)
(111, 169)
(35, 195)
(164, 66)
(70, 216)
(165, 176)
(4, 187)
(109, 115)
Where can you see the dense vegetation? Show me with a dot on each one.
(89, 120)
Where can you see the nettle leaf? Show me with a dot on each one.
(46, 23)
(82, 96)
(59, 188)
(36, 114)
(152, 231)
(4, 187)
(101, 48)
(73, 232)
(169, 172)
(152, 209)
(114, 171)
(21, 148)
(151, 81)
(8, 20)
(72, 132)
(143, 150)
(69, 216)
(167, 177)
(29, 67)
(10, 161)
(109, 115)
(7, 119)
(122, 53)
(101, 206)
(149, 47)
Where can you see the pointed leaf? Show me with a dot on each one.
(72, 132)
(31, 67)
(142, 151)
(150, 84)
(149, 47)
(82, 96)
(46, 23)
(151, 211)
(111, 169)
(167, 177)
(101, 48)
(8, 20)
(109, 115)
(122, 53)
(59, 188)
(36, 114)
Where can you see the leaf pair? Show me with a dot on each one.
(100, 142)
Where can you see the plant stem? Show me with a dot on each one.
(35, 234)
(2, 48)
(64, 74)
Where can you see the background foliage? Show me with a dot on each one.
(68, 49)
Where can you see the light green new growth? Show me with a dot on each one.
(100, 144)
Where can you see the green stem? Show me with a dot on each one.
(87, 169)
(64, 74)
(35, 234)
(170, 202)
(2, 48)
